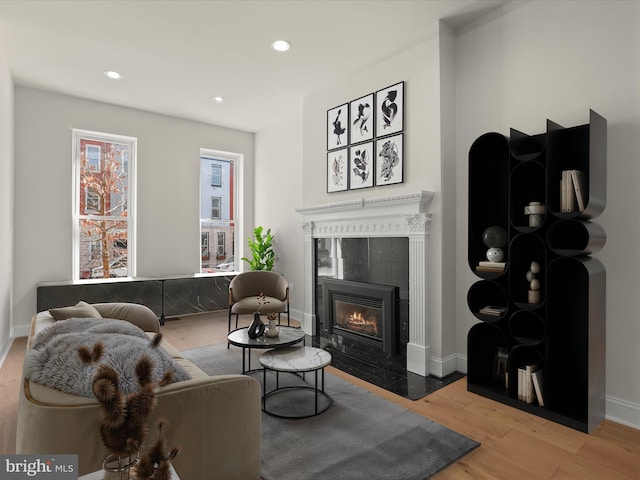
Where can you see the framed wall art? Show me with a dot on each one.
(389, 160)
(337, 170)
(338, 127)
(389, 115)
(361, 115)
(361, 166)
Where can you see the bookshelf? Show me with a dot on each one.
(558, 321)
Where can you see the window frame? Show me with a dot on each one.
(76, 137)
(216, 174)
(236, 197)
(218, 208)
(99, 167)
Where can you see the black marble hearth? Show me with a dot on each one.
(388, 376)
(379, 261)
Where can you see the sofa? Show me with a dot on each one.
(216, 421)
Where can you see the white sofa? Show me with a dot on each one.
(216, 421)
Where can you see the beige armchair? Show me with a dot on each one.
(246, 287)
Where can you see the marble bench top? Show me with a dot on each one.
(295, 359)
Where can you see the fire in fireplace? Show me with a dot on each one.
(362, 312)
(358, 318)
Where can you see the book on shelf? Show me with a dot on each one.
(537, 385)
(490, 269)
(492, 310)
(529, 396)
(578, 180)
(573, 189)
(520, 383)
(526, 387)
(492, 264)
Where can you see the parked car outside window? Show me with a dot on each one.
(117, 269)
(227, 266)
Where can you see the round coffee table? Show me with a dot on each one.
(295, 402)
(240, 338)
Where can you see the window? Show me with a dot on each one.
(218, 223)
(216, 175)
(221, 244)
(103, 215)
(94, 251)
(92, 153)
(92, 200)
(215, 207)
(204, 247)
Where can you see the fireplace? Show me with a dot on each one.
(362, 312)
(403, 216)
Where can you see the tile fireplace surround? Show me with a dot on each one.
(405, 215)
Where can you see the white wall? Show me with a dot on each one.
(556, 60)
(419, 67)
(168, 170)
(278, 192)
(6, 203)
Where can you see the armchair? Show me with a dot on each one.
(246, 287)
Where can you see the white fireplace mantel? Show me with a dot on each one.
(405, 215)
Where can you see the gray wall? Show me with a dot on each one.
(168, 170)
(278, 192)
(6, 203)
(419, 67)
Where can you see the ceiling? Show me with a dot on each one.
(177, 55)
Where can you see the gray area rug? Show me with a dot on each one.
(360, 437)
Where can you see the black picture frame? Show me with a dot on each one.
(338, 170)
(361, 115)
(389, 160)
(361, 166)
(389, 117)
(338, 127)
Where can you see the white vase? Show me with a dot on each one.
(272, 329)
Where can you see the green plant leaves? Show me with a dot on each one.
(262, 254)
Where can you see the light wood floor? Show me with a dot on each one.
(514, 445)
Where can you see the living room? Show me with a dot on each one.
(515, 67)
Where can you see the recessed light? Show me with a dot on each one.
(218, 99)
(113, 75)
(281, 45)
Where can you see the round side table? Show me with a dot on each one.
(295, 401)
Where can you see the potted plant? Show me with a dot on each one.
(262, 254)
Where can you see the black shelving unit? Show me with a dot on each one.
(564, 330)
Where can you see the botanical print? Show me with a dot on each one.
(389, 160)
(337, 170)
(338, 127)
(389, 110)
(361, 119)
(361, 175)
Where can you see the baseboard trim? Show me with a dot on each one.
(622, 411)
(4, 350)
(21, 330)
(441, 367)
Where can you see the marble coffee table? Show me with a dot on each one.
(293, 400)
(240, 338)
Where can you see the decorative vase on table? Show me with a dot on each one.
(256, 328)
(272, 329)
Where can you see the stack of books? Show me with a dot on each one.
(493, 311)
(492, 267)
